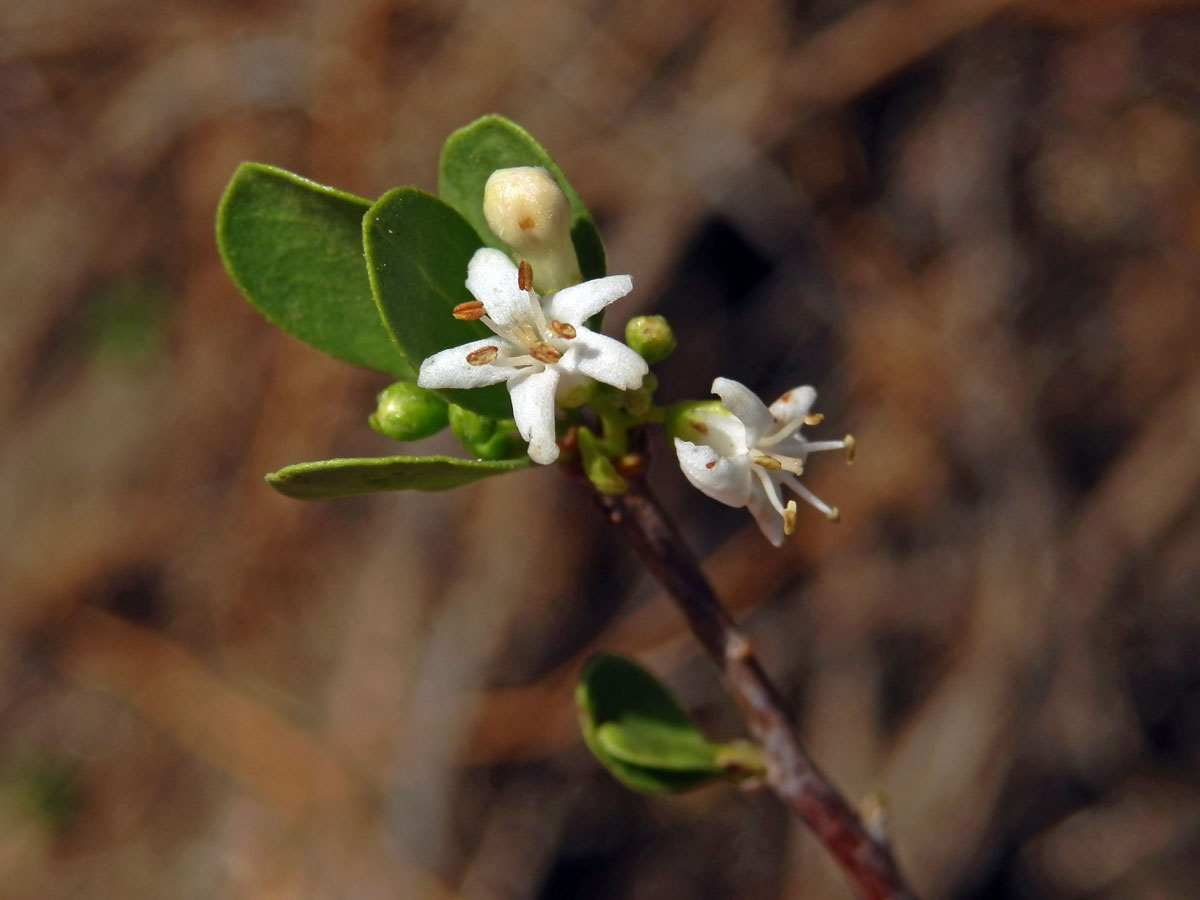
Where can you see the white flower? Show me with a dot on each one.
(747, 452)
(537, 342)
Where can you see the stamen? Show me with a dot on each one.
(768, 462)
(543, 352)
(737, 648)
(789, 517)
(524, 275)
(699, 427)
(469, 311)
(482, 356)
(710, 464)
(814, 418)
(562, 329)
(783, 432)
(834, 515)
(851, 449)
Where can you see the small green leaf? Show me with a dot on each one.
(637, 730)
(417, 254)
(475, 151)
(295, 249)
(331, 478)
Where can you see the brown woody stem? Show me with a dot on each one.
(793, 777)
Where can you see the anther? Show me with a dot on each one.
(768, 462)
(630, 465)
(710, 464)
(543, 352)
(814, 418)
(851, 449)
(562, 329)
(524, 275)
(834, 514)
(469, 311)
(482, 356)
(789, 517)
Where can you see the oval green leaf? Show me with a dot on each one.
(417, 253)
(639, 732)
(471, 154)
(332, 478)
(295, 250)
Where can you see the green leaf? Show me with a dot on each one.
(637, 730)
(417, 254)
(295, 249)
(475, 151)
(346, 477)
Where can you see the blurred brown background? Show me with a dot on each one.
(974, 225)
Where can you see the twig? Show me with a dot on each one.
(793, 777)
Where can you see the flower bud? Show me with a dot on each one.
(406, 412)
(486, 438)
(526, 209)
(685, 420)
(650, 337)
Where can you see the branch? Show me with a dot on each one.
(793, 777)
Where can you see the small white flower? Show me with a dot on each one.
(539, 342)
(747, 454)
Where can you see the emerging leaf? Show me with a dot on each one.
(331, 478)
(637, 730)
(295, 249)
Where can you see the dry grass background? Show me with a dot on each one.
(974, 225)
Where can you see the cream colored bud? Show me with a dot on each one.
(526, 209)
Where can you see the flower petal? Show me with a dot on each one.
(578, 303)
(492, 278)
(744, 403)
(770, 522)
(726, 433)
(532, 395)
(725, 479)
(450, 369)
(604, 359)
(794, 404)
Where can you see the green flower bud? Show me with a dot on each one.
(486, 438)
(650, 337)
(639, 401)
(406, 412)
(685, 420)
(598, 467)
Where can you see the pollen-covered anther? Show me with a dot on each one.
(469, 311)
(562, 329)
(814, 418)
(524, 275)
(543, 352)
(482, 356)
(768, 462)
(851, 449)
(789, 517)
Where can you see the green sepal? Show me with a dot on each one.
(638, 731)
(294, 248)
(331, 478)
(471, 154)
(417, 251)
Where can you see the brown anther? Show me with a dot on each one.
(851, 449)
(543, 352)
(814, 418)
(710, 464)
(834, 515)
(630, 465)
(768, 462)
(524, 275)
(482, 356)
(526, 222)
(700, 427)
(789, 517)
(469, 311)
(562, 329)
